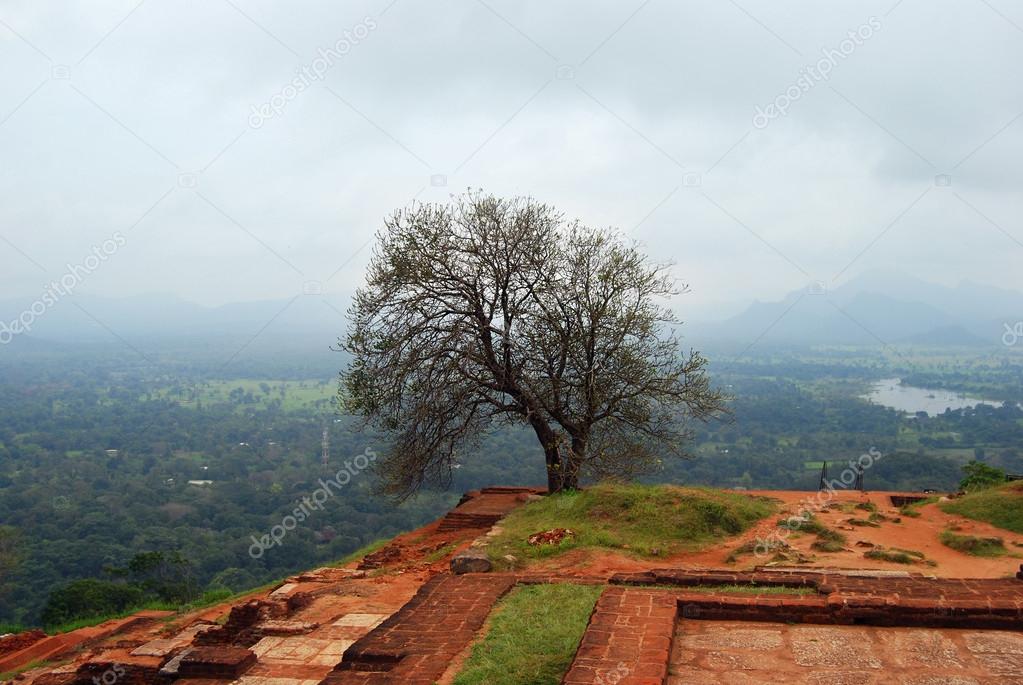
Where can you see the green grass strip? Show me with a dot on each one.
(534, 633)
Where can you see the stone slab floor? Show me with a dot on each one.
(739, 653)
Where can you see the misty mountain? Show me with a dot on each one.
(871, 309)
(877, 308)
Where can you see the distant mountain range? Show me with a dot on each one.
(873, 309)
(306, 321)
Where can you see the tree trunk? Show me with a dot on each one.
(573, 464)
(555, 471)
(552, 455)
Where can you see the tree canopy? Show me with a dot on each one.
(490, 310)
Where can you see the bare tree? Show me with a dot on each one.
(494, 310)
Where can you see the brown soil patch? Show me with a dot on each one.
(919, 534)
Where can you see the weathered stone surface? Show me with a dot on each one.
(360, 620)
(470, 561)
(221, 661)
(994, 642)
(161, 647)
(287, 627)
(170, 669)
(921, 649)
(721, 637)
(842, 678)
(821, 646)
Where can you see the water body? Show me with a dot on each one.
(890, 393)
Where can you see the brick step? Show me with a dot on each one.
(356, 678)
(371, 662)
(417, 644)
(459, 521)
(511, 490)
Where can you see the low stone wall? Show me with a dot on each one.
(847, 598)
(19, 641)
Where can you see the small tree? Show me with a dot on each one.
(977, 476)
(498, 310)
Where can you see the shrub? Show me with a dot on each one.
(88, 598)
(980, 476)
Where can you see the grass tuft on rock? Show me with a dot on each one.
(533, 636)
(645, 520)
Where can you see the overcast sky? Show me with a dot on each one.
(147, 119)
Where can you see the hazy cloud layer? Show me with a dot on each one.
(138, 117)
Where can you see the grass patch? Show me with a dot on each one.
(778, 547)
(209, 598)
(973, 545)
(89, 621)
(8, 676)
(827, 546)
(896, 555)
(644, 520)
(534, 633)
(828, 539)
(437, 555)
(867, 506)
(1001, 506)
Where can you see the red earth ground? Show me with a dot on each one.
(347, 603)
(919, 534)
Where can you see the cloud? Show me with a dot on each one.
(636, 115)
